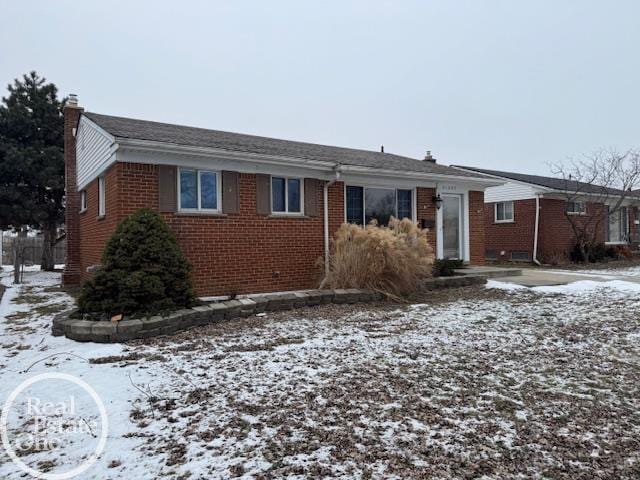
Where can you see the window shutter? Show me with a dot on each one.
(230, 192)
(167, 189)
(263, 194)
(311, 197)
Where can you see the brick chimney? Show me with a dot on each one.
(429, 158)
(71, 273)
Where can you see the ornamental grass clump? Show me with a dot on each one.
(143, 272)
(391, 260)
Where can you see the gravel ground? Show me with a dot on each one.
(465, 383)
(499, 384)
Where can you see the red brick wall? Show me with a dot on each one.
(137, 187)
(476, 228)
(426, 210)
(95, 231)
(244, 252)
(336, 207)
(556, 236)
(516, 236)
(238, 253)
(72, 272)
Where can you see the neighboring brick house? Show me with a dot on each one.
(252, 214)
(511, 223)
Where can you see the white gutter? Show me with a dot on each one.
(161, 147)
(535, 231)
(487, 182)
(325, 203)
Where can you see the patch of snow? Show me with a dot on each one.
(504, 285)
(587, 286)
(613, 272)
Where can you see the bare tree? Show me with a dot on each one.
(603, 181)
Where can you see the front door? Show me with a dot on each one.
(451, 226)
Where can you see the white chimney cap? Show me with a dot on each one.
(72, 101)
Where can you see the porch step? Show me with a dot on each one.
(490, 272)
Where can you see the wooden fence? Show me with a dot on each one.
(32, 250)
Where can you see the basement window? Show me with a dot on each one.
(491, 255)
(520, 256)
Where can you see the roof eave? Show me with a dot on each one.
(154, 146)
(541, 188)
(420, 175)
(602, 196)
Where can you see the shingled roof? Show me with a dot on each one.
(553, 183)
(129, 128)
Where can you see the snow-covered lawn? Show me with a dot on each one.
(478, 382)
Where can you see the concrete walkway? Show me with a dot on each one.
(490, 271)
(534, 277)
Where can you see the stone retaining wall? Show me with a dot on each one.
(129, 329)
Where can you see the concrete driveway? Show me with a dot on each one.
(538, 277)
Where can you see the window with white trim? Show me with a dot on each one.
(286, 195)
(83, 201)
(198, 190)
(102, 194)
(364, 204)
(576, 208)
(503, 212)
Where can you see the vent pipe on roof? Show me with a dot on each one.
(381, 148)
(429, 158)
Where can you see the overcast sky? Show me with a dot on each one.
(509, 85)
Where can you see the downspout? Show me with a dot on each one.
(535, 232)
(325, 204)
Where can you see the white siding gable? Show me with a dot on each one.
(94, 151)
(510, 191)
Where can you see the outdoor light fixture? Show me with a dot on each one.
(437, 199)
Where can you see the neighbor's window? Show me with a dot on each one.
(198, 190)
(618, 226)
(504, 212)
(577, 208)
(83, 200)
(364, 204)
(286, 195)
(102, 202)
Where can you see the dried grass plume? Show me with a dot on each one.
(391, 260)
